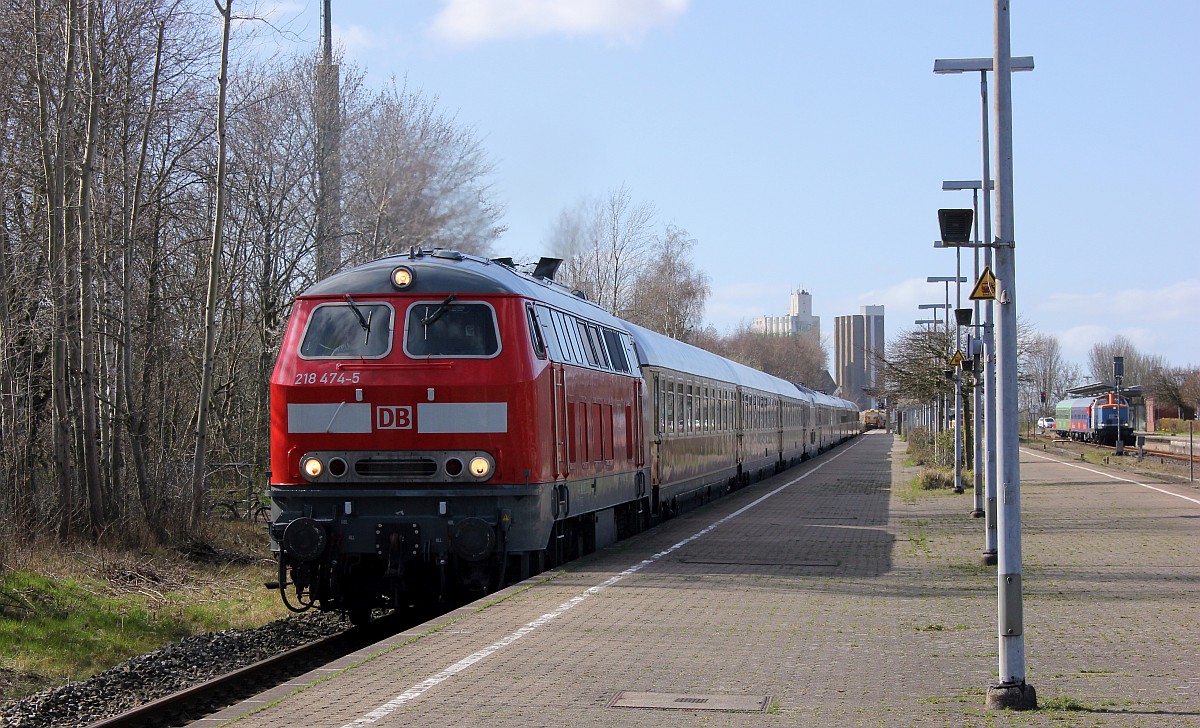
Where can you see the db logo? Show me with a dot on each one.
(393, 418)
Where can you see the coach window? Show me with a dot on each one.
(680, 408)
(451, 329)
(348, 330)
(669, 409)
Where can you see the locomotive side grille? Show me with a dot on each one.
(396, 467)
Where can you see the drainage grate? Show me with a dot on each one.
(678, 701)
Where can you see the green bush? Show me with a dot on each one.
(944, 449)
(920, 446)
(1175, 425)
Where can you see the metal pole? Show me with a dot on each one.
(977, 369)
(989, 351)
(958, 413)
(1012, 690)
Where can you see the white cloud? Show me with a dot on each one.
(1173, 302)
(469, 21)
(354, 38)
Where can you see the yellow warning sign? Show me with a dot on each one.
(957, 359)
(985, 287)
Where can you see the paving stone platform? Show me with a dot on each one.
(834, 594)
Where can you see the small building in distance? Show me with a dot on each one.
(858, 342)
(799, 318)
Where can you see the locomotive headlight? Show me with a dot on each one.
(312, 468)
(402, 277)
(480, 467)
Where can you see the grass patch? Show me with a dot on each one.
(67, 613)
(1063, 703)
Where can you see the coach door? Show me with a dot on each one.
(561, 467)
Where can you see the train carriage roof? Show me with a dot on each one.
(657, 350)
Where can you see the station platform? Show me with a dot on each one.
(834, 594)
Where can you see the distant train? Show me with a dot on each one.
(1103, 419)
(443, 424)
(873, 418)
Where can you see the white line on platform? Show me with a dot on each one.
(1110, 475)
(417, 690)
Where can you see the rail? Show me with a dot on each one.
(208, 697)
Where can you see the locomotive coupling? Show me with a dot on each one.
(304, 539)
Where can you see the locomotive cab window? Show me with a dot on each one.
(348, 330)
(451, 328)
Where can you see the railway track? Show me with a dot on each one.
(209, 697)
(1131, 450)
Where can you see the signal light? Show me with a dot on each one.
(402, 277)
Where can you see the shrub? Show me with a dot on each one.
(935, 479)
(1175, 425)
(920, 446)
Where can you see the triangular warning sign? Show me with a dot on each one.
(957, 359)
(985, 287)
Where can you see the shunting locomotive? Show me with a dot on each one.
(1103, 419)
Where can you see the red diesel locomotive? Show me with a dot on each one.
(447, 424)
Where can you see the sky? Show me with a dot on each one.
(803, 144)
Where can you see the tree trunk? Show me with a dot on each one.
(87, 303)
(137, 417)
(55, 133)
(198, 495)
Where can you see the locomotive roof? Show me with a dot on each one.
(439, 272)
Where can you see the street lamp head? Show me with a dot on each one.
(970, 184)
(955, 224)
(965, 65)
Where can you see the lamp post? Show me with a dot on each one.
(930, 325)
(941, 420)
(958, 430)
(1012, 690)
(982, 401)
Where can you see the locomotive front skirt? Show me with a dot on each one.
(447, 424)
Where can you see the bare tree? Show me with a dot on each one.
(1177, 387)
(605, 247)
(107, 221)
(414, 177)
(670, 294)
(913, 367)
(1138, 366)
(1043, 369)
(1189, 391)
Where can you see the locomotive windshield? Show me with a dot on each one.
(451, 328)
(348, 330)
